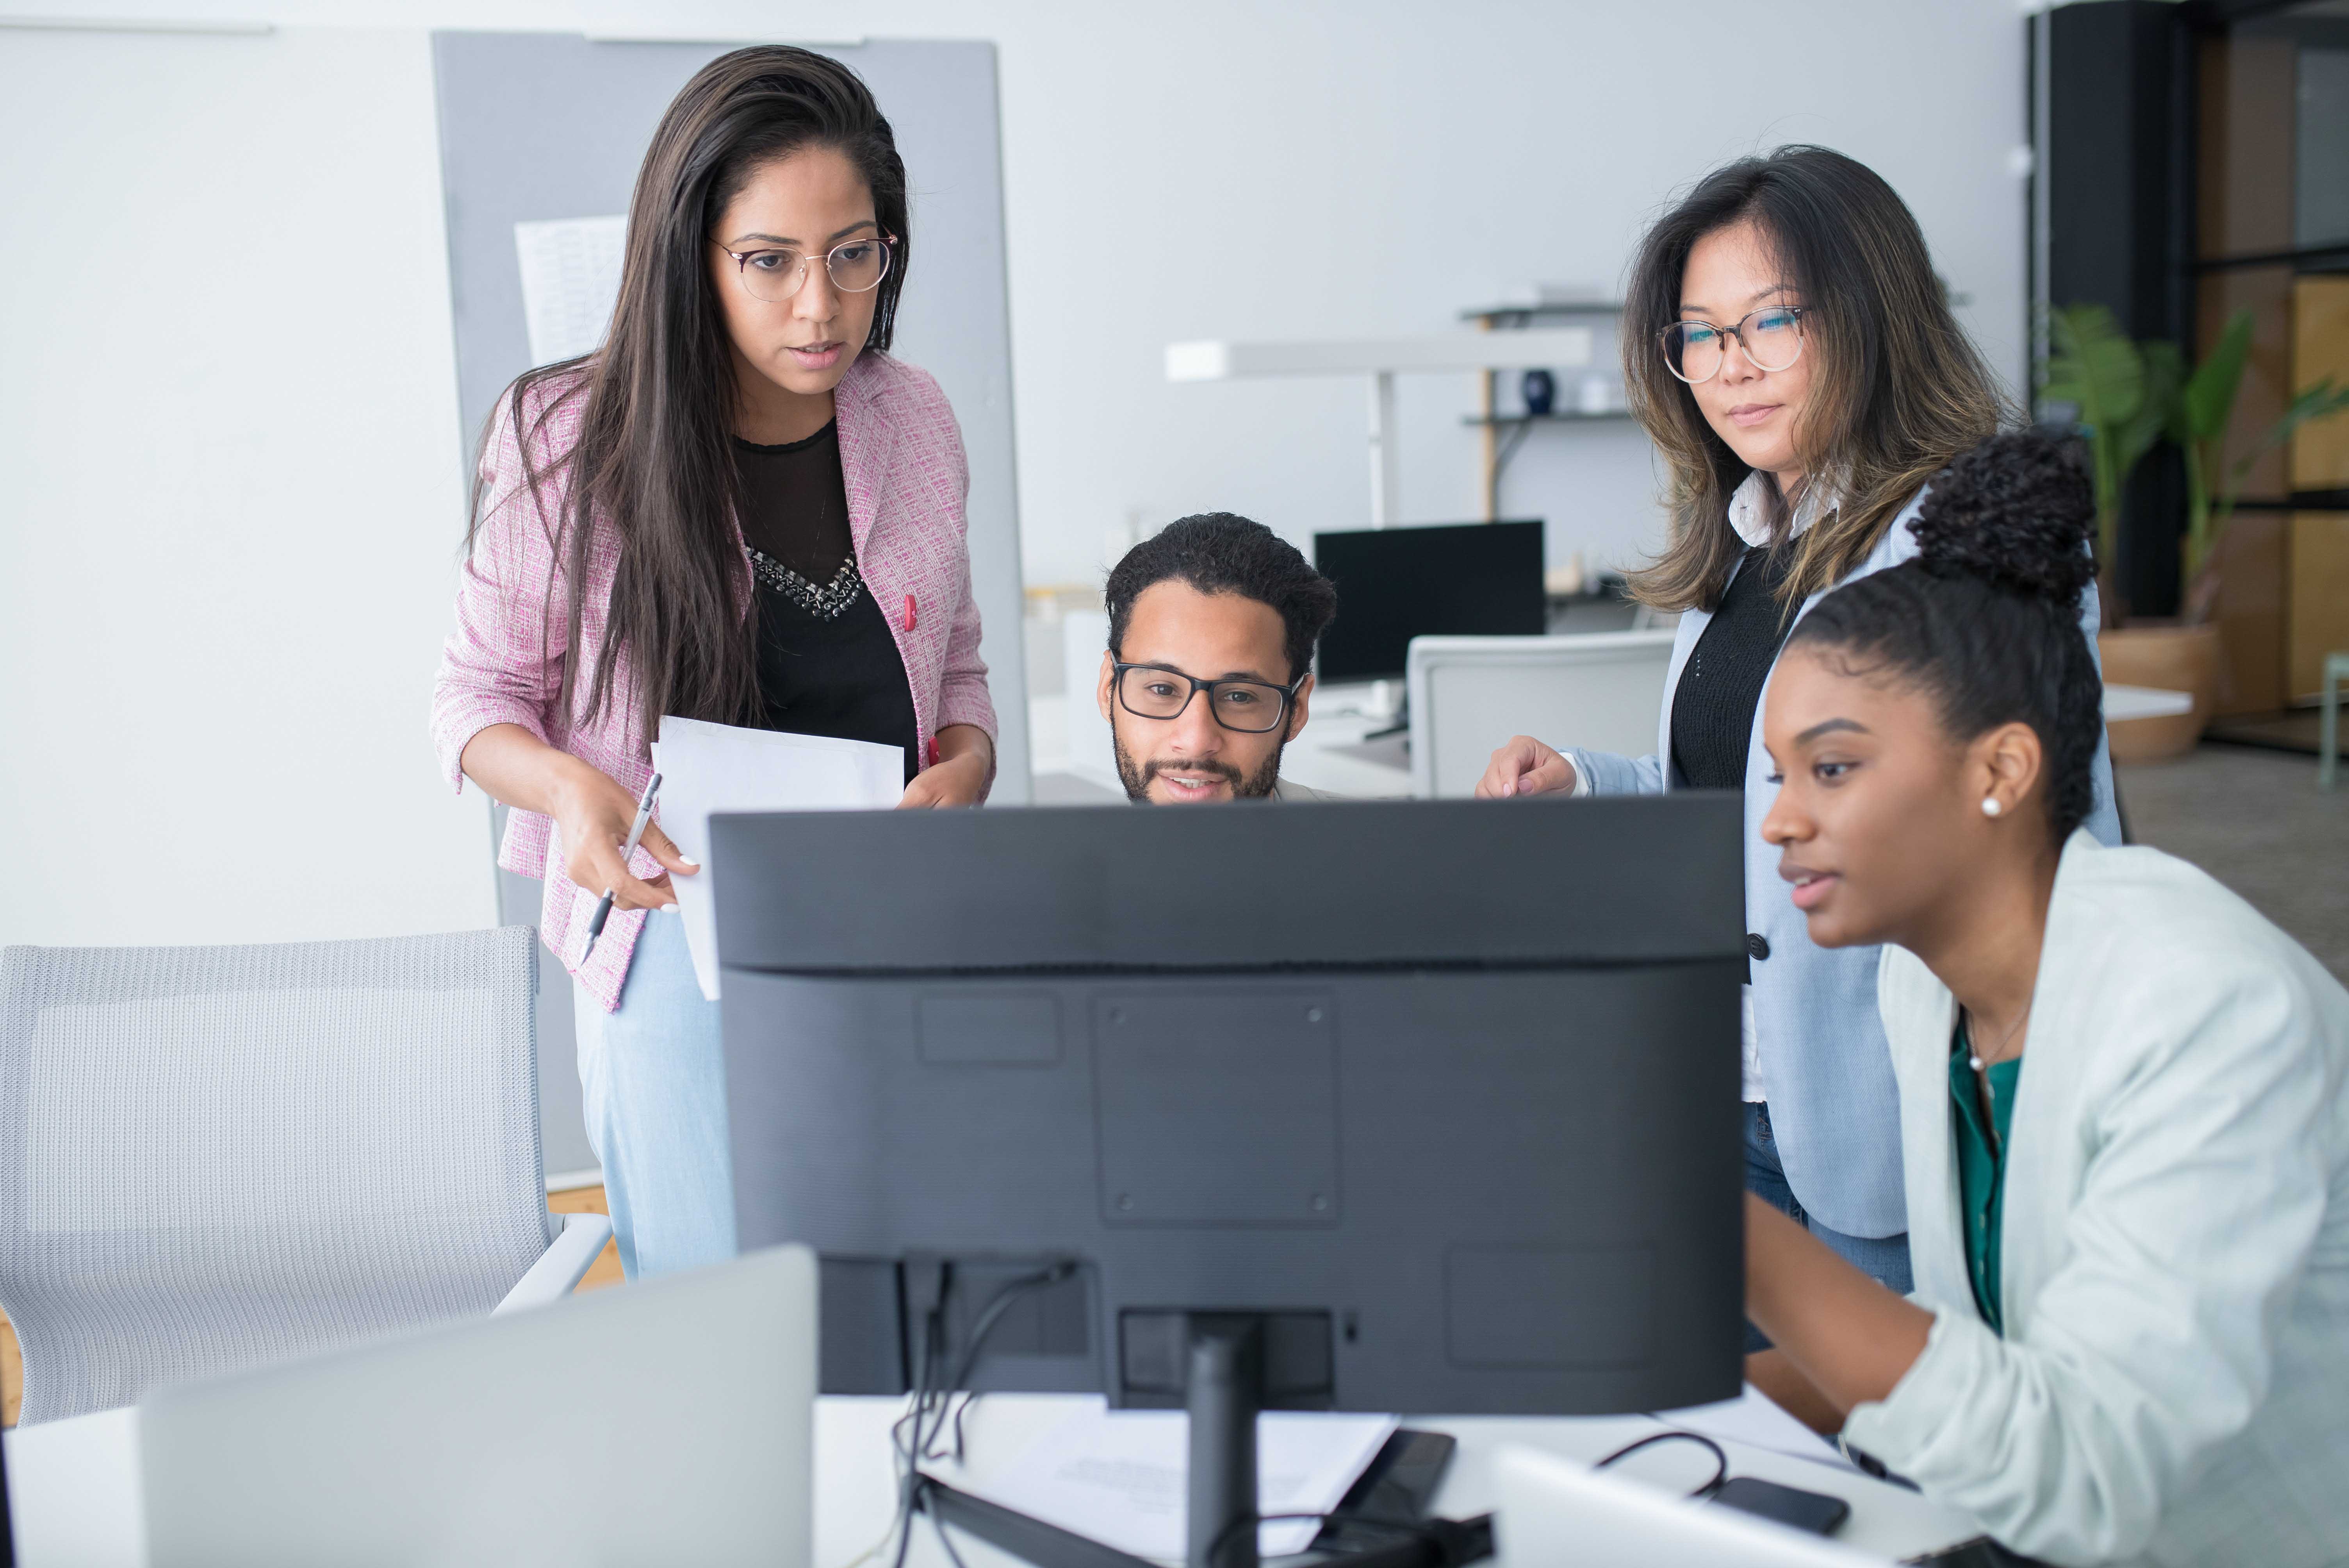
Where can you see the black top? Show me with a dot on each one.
(1712, 706)
(827, 664)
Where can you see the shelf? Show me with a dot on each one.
(1221, 361)
(1558, 417)
(1499, 313)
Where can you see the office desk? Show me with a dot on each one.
(75, 1485)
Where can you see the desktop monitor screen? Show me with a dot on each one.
(1445, 1094)
(1466, 580)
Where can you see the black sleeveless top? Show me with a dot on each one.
(827, 663)
(1720, 685)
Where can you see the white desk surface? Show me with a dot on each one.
(2127, 702)
(74, 1484)
(1330, 754)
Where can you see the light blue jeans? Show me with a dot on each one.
(1883, 1259)
(653, 1081)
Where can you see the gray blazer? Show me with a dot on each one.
(1835, 1109)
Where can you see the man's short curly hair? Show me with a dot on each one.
(1216, 552)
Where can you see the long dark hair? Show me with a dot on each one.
(1897, 391)
(1987, 617)
(653, 462)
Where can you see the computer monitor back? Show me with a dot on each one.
(1446, 1092)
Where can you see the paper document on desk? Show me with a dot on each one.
(1758, 1421)
(1122, 1477)
(707, 767)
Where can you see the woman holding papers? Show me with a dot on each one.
(2121, 1092)
(741, 510)
(1791, 352)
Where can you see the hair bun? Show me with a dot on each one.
(2016, 511)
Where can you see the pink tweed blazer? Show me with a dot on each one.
(901, 455)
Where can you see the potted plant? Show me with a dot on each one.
(2120, 396)
(2198, 422)
(2128, 395)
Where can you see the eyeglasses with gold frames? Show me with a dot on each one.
(775, 274)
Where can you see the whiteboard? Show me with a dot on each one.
(228, 522)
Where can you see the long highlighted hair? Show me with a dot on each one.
(1897, 389)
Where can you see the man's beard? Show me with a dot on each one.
(1136, 776)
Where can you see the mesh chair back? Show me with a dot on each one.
(211, 1158)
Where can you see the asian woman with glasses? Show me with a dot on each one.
(739, 509)
(1790, 350)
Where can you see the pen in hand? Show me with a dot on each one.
(636, 833)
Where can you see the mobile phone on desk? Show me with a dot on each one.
(1400, 1483)
(1814, 1512)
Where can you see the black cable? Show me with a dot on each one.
(946, 1540)
(1509, 449)
(984, 1325)
(930, 1404)
(1720, 1459)
(928, 1343)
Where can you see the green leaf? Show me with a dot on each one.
(2321, 401)
(2096, 367)
(2164, 371)
(2209, 397)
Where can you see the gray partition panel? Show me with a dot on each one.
(549, 124)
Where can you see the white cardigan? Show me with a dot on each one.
(2173, 1387)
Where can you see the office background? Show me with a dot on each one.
(224, 740)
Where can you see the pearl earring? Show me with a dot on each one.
(1991, 807)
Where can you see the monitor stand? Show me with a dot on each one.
(1387, 711)
(1224, 1393)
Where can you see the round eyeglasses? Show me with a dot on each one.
(1772, 339)
(856, 266)
(1250, 708)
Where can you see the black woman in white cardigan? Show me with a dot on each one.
(2124, 1124)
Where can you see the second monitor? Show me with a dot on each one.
(1474, 578)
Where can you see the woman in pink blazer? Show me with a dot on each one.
(740, 508)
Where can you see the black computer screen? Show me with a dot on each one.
(1473, 579)
(1465, 1145)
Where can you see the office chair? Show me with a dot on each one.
(1469, 695)
(216, 1158)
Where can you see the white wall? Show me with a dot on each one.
(224, 575)
(1215, 168)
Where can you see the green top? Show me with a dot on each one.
(1981, 1165)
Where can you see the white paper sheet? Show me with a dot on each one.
(708, 767)
(1121, 1476)
(1758, 1421)
(570, 280)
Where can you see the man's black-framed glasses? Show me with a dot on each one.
(1251, 707)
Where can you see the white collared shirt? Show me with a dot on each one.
(1749, 507)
